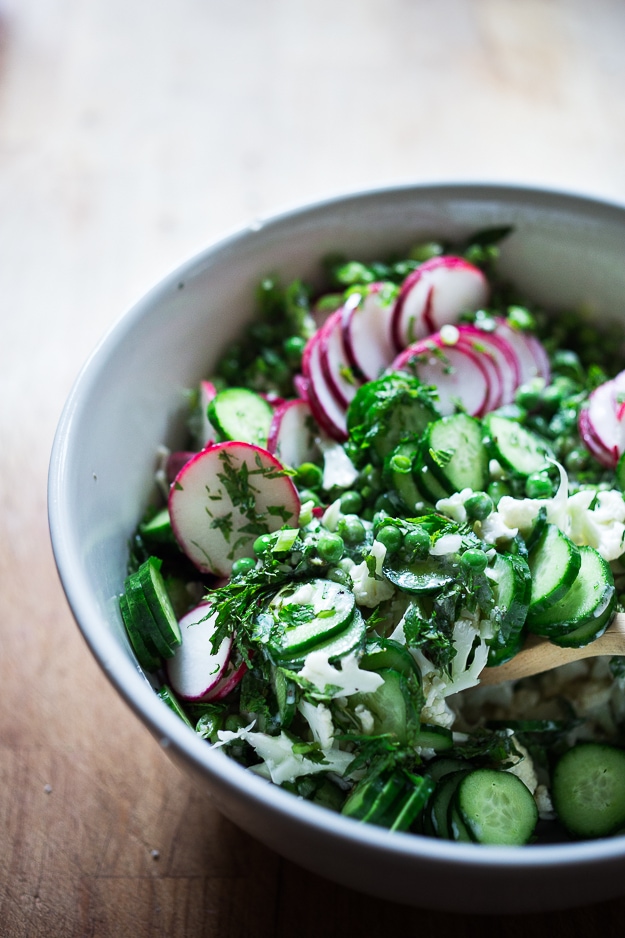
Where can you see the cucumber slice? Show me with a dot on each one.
(438, 738)
(167, 696)
(158, 530)
(455, 453)
(306, 615)
(159, 603)
(144, 621)
(391, 706)
(588, 789)
(514, 447)
(427, 483)
(419, 576)
(586, 607)
(437, 817)
(146, 656)
(351, 639)
(414, 802)
(241, 414)
(496, 807)
(554, 562)
(511, 582)
(386, 653)
(398, 470)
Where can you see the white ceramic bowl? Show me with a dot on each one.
(130, 397)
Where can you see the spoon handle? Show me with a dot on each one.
(540, 655)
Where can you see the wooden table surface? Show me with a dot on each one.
(133, 133)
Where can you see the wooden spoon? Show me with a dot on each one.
(538, 654)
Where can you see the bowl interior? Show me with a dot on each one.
(131, 396)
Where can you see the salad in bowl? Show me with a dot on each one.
(392, 478)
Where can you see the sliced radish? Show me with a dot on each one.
(196, 670)
(434, 295)
(498, 351)
(456, 371)
(341, 378)
(531, 358)
(366, 333)
(208, 434)
(326, 410)
(300, 383)
(602, 422)
(228, 682)
(592, 442)
(293, 433)
(224, 498)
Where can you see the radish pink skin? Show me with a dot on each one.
(428, 325)
(404, 362)
(349, 320)
(502, 353)
(335, 423)
(227, 683)
(305, 453)
(237, 449)
(330, 336)
(592, 443)
(192, 620)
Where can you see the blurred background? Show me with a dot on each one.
(132, 134)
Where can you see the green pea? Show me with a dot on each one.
(538, 485)
(243, 565)
(309, 475)
(478, 506)
(551, 398)
(340, 576)
(371, 476)
(330, 547)
(400, 463)
(351, 529)
(497, 490)
(307, 495)
(417, 543)
(385, 503)
(262, 544)
(426, 250)
(474, 559)
(234, 722)
(293, 349)
(520, 318)
(528, 395)
(577, 460)
(351, 502)
(391, 537)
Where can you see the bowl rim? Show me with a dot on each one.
(129, 680)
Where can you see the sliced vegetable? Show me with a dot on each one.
(496, 807)
(588, 789)
(224, 498)
(196, 669)
(241, 414)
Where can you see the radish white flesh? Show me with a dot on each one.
(292, 434)
(456, 372)
(592, 442)
(227, 682)
(526, 353)
(327, 412)
(435, 295)
(342, 380)
(208, 434)
(603, 426)
(224, 498)
(494, 392)
(366, 324)
(495, 349)
(196, 669)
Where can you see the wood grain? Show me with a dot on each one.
(131, 135)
